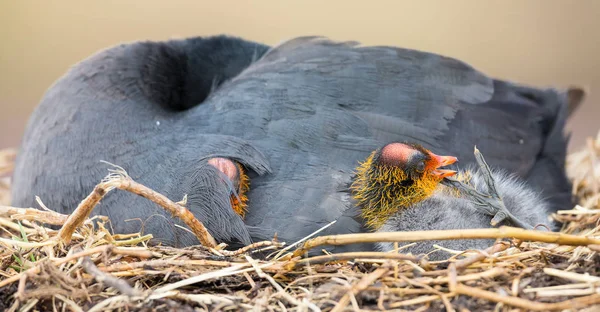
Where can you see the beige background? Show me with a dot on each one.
(540, 42)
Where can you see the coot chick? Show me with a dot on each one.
(398, 189)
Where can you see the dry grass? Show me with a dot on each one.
(82, 268)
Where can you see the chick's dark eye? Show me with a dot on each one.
(420, 166)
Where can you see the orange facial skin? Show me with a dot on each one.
(395, 177)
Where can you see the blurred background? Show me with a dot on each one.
(538, 42)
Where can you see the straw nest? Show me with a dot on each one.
(85, 268)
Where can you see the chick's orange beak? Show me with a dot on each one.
(441, 161)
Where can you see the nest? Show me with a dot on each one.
(82, 267)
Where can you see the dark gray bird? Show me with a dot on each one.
(199, 116)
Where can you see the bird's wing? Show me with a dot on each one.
(316, 108)
(126, 105)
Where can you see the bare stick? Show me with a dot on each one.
(81, 213)
(464, 263)
(245, 249)
(572, 275)
(502, 232)
(142, 254)
(119, 179)
(527, 304)
(108, 279)
(417, 300)
(179, 211)
(350, 256)
(462, 278)
(164, 263)
(32, 214)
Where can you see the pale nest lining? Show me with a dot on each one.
(81, 267)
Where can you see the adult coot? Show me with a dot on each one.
(276, 131)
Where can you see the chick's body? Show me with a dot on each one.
(448, 209)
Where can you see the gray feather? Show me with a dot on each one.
(446, 212)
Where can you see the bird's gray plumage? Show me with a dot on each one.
(300, 116)
(444, 211)
(126, 106)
